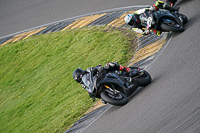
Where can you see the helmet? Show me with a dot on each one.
(131, 20)
(77, 74)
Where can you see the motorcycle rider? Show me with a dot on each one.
(79, 72)
(139, 19)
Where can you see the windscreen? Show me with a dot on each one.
(87, 82)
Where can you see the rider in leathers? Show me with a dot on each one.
(139, 19)
(78, 73)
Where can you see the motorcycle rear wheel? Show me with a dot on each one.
(171, 28)
(119, 100)
(144, 79)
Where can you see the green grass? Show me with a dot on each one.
(37, 91)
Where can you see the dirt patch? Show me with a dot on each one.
(97, 105)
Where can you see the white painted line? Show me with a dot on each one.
(111, 10)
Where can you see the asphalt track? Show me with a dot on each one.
(171, 104)
(19, 15)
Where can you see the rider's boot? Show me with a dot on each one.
(158, 33)
(171, 2)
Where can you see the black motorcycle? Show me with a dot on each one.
(164, 20)
(115, 87)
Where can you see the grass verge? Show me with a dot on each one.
(37, 91)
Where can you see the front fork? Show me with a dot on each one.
(111, 91)
(180, 20)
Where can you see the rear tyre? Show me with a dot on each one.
(171, 28)
(144, 79)
(118, 100)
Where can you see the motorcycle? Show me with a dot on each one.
(164, 20)
(116, 86)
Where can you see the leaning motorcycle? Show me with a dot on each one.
(164, 20)
(115, 87)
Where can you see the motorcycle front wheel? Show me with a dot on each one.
(118, 99)
(184, 18)
(168, 27)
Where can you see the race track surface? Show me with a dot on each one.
(170, 104)
(20, 15)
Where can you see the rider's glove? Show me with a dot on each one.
(146, 32)
(148, 27)
(83, 86)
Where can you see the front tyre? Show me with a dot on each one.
(118, 99)
(144, 79)
(184, 18)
